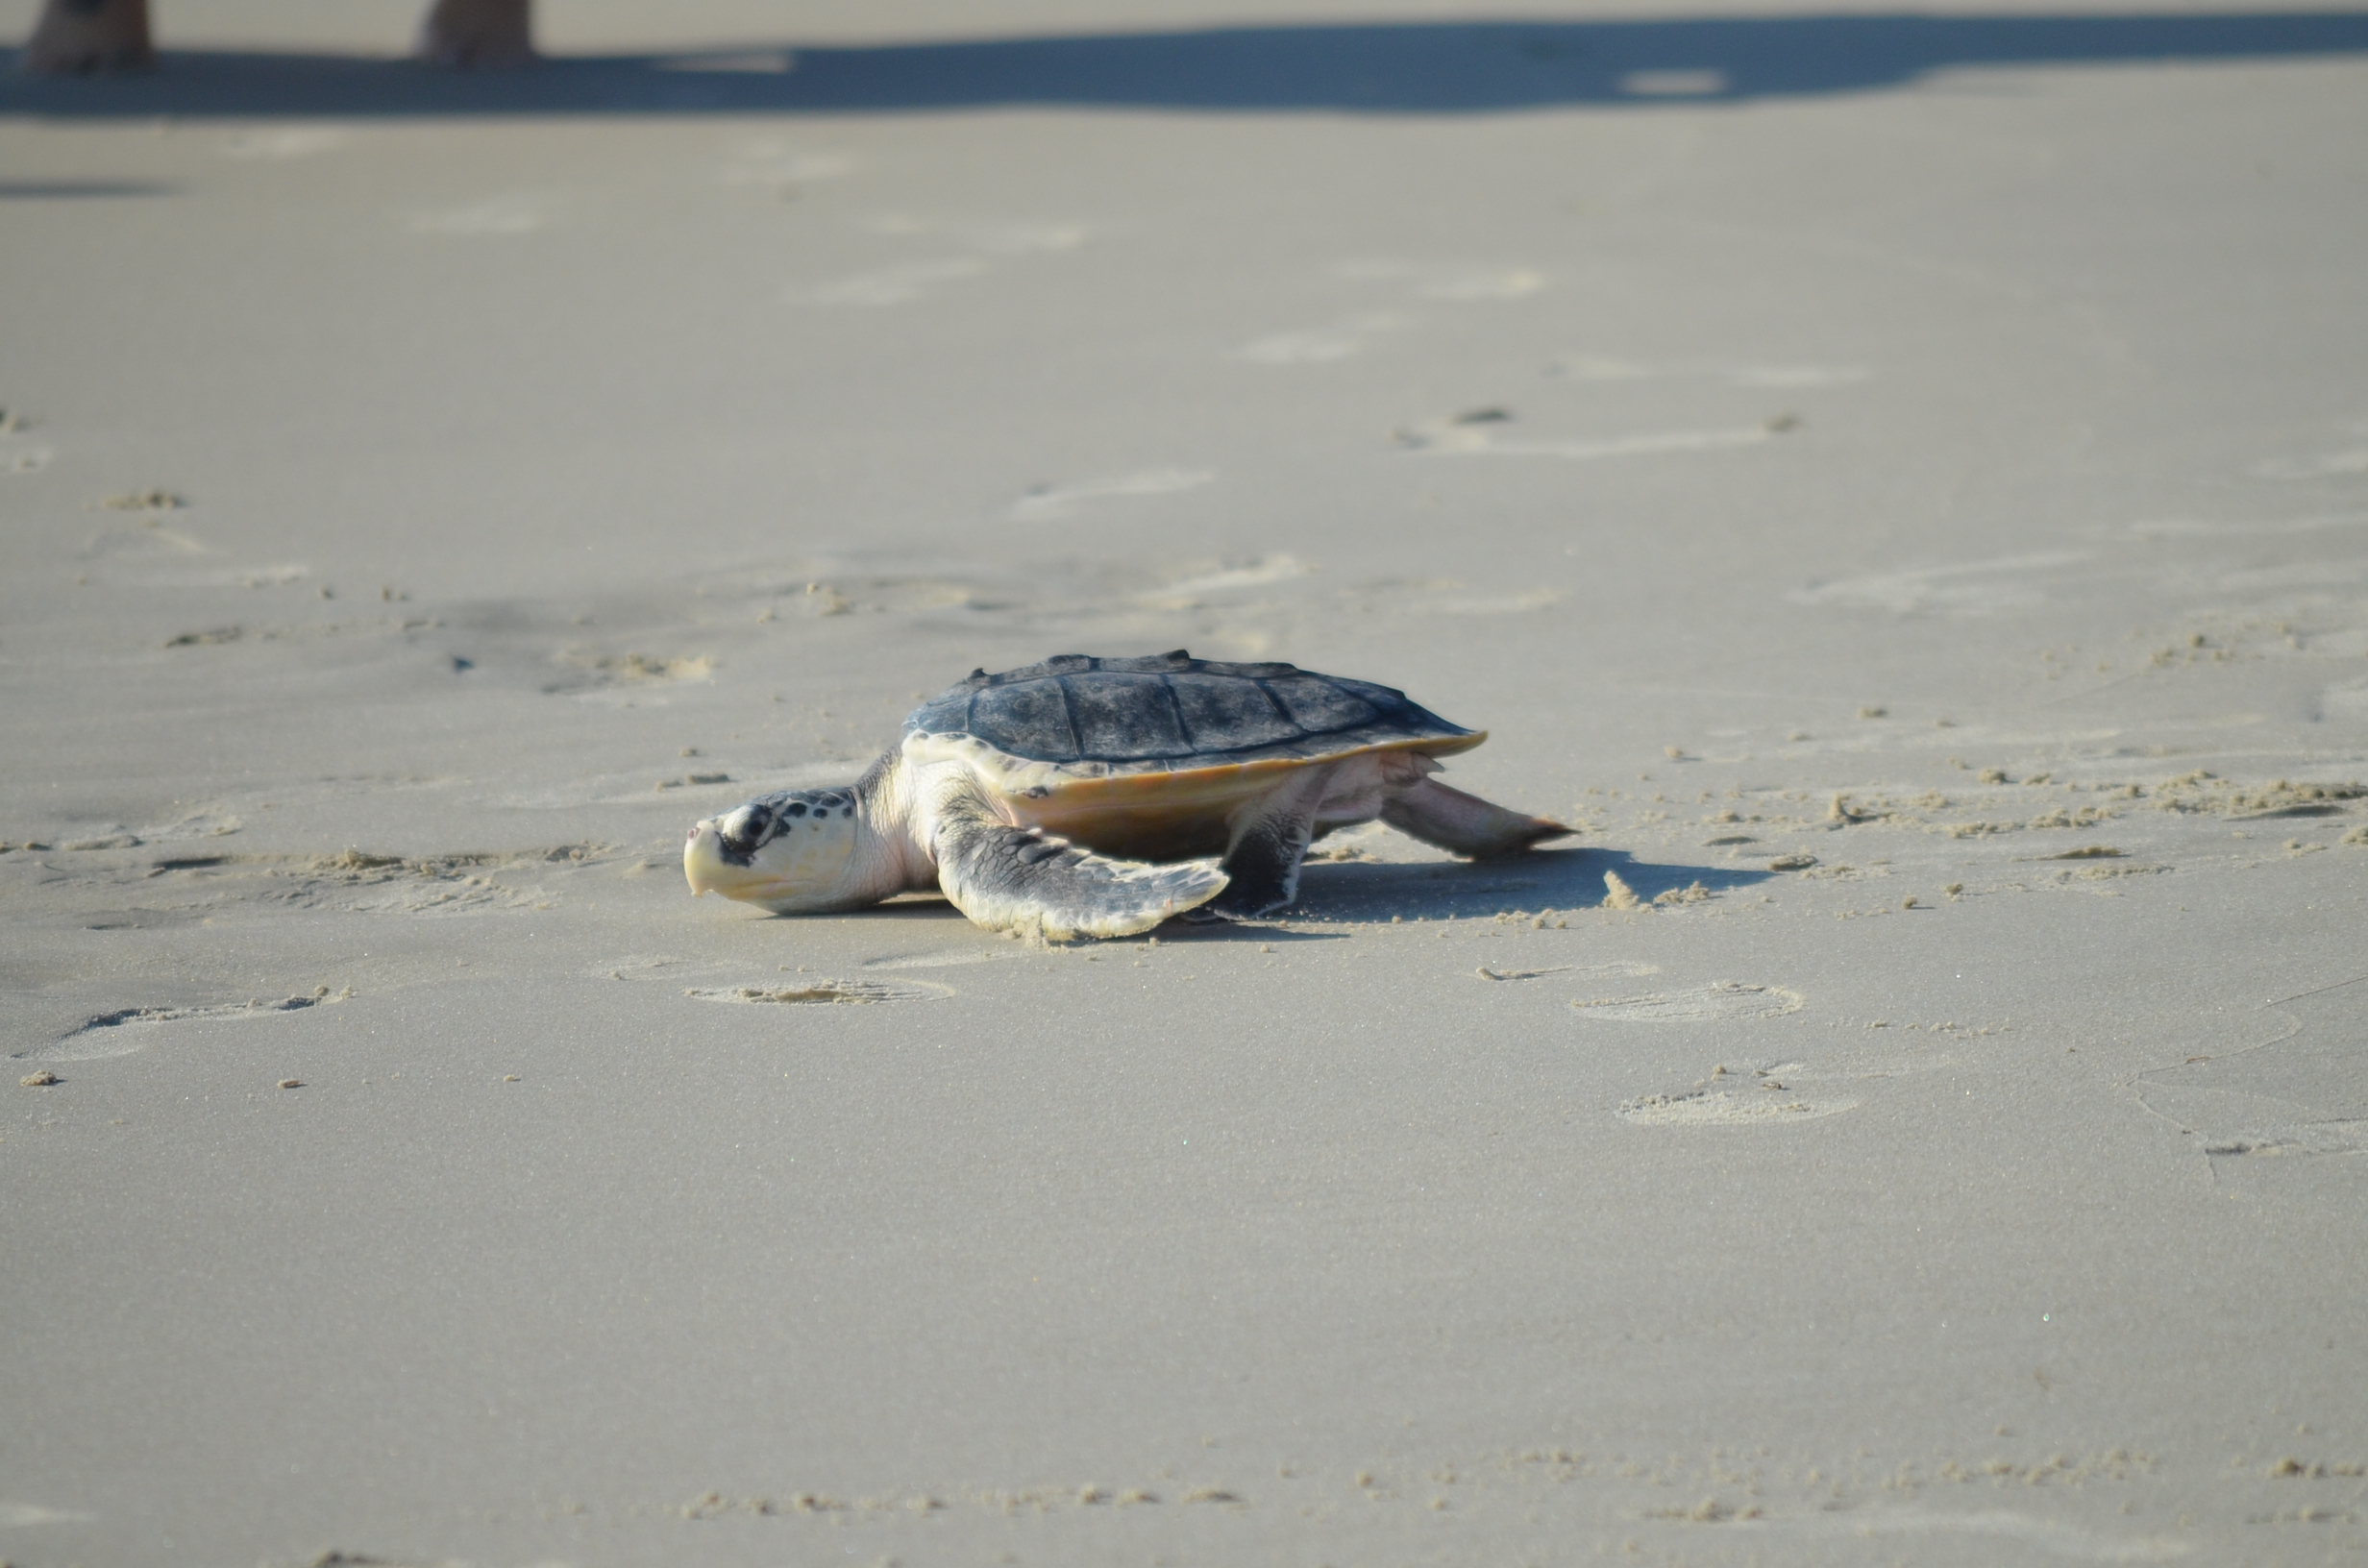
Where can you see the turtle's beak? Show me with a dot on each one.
(703, 863)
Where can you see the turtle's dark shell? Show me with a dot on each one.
(1173, 712)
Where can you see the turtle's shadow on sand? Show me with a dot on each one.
(930, 909)
(1367, 890)
(1542, 879)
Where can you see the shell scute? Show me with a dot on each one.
(1318, 705)
(1028, 720)
(948, 713)
(1126, 717)
(1225, 712)
(1076, 717)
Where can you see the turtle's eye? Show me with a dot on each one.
(745, 829)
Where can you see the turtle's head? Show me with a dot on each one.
(793, 852)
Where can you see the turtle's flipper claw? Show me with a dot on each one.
(1204, 915)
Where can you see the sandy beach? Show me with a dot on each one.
(1897, 482)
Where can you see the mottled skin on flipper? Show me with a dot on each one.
(1088, 796)
(1021, 880)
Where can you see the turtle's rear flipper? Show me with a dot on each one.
(1010, 878)
(1465, 823)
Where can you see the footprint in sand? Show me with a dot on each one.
(1974, 588)
(905, 281)
(1481, 433)
(1718, 1002)
(521, 213)
(1349, 338)
(367, 884)
(2324, 465)
(148, 540)
(1628, 968)
(1459, 282)
(2188, 527)
(204, 823)
(820, 992)
(990, 238)
(284, 143)
(897, 284)
(1321, 345)
(1447, 280)
(125, 1030)
(1779, 1091)
(1048, 502)
(1190, 593)
(2054, 1537)
(2348, 701)
(1755, 377)
(1525, 602)
(198, 825)
(635, 966)
(2304, 1092)
(591, 672)
(1445, 596)
(784, 167)
(276, 574)
(936, 960)
(1728, 1108)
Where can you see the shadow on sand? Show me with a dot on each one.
(1362, 892)
(1545, 879)
(1461, 67)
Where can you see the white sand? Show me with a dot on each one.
(2016, 388)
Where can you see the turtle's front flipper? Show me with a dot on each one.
(1010, 878)
(1465, 823)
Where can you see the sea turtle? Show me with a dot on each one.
(1097, 798)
